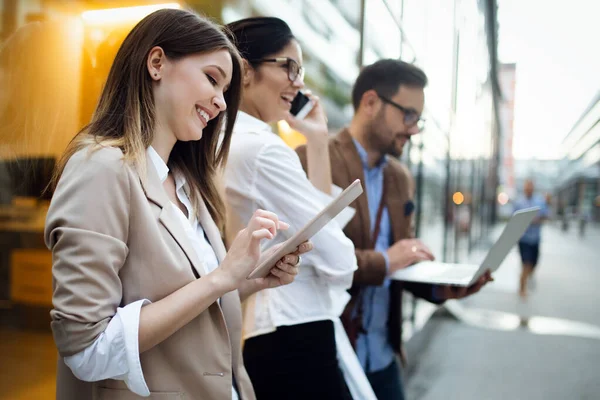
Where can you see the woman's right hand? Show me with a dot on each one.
(244, 252)
(314, 125)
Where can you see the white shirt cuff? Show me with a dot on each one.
(115, 353)
(130, 318)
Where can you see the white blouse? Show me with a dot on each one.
(263, 172)
(115, 353)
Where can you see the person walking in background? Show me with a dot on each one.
(529, 244)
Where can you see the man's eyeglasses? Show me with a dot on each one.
(411, 117)
(293, 69)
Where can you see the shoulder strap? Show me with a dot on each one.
(377, 227)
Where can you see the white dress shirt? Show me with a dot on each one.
(115, 353)
(263, 172)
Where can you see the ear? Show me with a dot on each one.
(370, 103)
(248, 73)
(156, 62)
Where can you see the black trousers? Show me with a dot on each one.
(296, 362)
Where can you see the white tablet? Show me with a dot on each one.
(271, 256)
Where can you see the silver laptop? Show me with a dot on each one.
(466, 274)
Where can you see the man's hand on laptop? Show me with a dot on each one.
(447, 292)
(407, 252)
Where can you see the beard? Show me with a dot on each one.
(383, 139)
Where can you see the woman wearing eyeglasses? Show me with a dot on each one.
(290, 349)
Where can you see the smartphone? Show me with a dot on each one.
(301, 106)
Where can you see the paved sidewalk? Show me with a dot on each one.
(451, 359)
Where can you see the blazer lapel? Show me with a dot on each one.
(155, 193)
(355, 171)
(212, 232)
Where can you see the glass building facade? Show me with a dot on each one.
(578, 188)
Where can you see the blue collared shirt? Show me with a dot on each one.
(373, 348)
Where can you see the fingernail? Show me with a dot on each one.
(283, 225)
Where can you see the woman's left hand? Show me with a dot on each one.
(283, 273)
(314, 125)
(285, 270)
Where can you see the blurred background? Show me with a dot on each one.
(513, 94)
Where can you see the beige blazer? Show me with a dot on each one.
(114, 242)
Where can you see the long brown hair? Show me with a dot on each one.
(125, 115)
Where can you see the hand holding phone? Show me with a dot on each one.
(301, 106)
(307, 116)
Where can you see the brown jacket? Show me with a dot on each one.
(346, 166)
(115, 241)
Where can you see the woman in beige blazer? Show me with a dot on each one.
(146, 299)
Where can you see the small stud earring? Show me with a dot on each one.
(155, 74)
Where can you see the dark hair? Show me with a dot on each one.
(259, 37)
(385, 77)
(125, 116)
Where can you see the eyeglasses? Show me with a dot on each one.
(293, 69)
(411, 117)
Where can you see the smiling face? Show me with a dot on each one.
(268, 92)
(188, 92)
